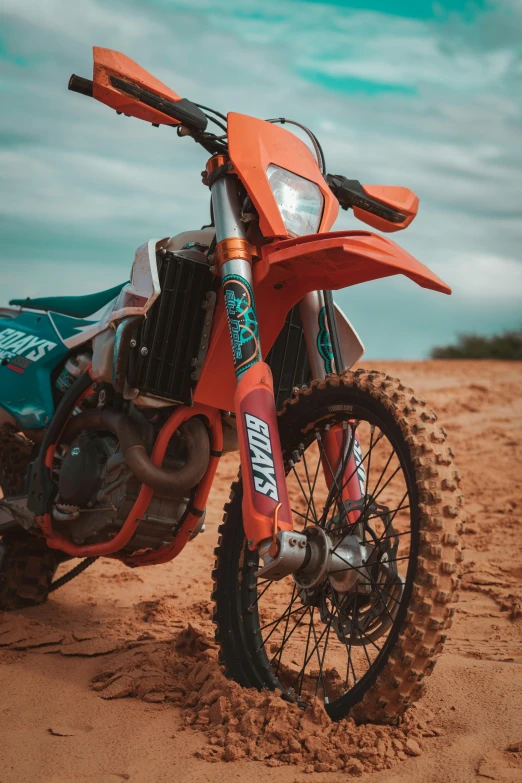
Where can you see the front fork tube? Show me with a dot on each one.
(337, 442)
(266, 507)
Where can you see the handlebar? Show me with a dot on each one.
(81, 85)
(183, 110)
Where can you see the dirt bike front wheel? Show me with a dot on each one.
(366, 631)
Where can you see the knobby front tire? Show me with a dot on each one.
(364, 655)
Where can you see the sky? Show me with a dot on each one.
(423, 94)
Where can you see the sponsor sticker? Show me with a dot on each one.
(242, 322)
(361, 473)
(260, 447)
(22, 348)
(324, 343)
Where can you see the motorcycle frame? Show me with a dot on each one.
(283, 272)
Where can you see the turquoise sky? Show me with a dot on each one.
(422, 94)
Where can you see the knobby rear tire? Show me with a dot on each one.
(420, 632)
(27, 568)
(27, 565)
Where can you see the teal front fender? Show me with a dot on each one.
(30, 350)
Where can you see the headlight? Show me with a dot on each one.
(300, 201)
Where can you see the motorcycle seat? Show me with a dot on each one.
(73, 306)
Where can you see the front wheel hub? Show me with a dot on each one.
(341, 563)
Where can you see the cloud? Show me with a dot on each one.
(82, 187)
(488, 277)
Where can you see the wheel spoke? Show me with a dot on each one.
(268, 625)
(310, 487)
(371, 499)
(348, 649)
(376, 586)
(323, 657)
(299, 514)
(301, 672)
(280, 652)
(354, 471)
(261, 594)
(374, 497)
(329, 499)
(320, 677)
(307, 500)
(283, 616)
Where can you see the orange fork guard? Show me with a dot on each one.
(263, 515)
(292, 268)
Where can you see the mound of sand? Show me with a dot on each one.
(246, 724)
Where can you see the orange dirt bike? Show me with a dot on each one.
(337, 561)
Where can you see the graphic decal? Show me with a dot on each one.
(324, 344)
(260, 447)
(361, 473)
(242, 322)
(75, 331)
(21, 349)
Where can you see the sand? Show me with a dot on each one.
(116, 678)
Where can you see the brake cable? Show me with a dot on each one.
(213, 119)
(207, 108)
(313, 138)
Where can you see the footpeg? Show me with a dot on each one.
(283, 556)
(14, 512)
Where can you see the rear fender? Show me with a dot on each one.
(292, 268)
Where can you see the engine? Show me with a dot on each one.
(96, 491)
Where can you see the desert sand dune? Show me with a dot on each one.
(111, 680)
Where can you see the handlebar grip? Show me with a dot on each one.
(81, 85)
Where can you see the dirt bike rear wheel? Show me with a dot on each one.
(363, 649)
(27, 565)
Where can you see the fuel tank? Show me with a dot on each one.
(31, 353)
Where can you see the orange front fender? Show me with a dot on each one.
(292, 268)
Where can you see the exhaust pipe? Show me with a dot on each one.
(167, 482)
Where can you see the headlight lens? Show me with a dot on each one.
(300, 201)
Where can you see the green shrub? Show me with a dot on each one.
(507, 345)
